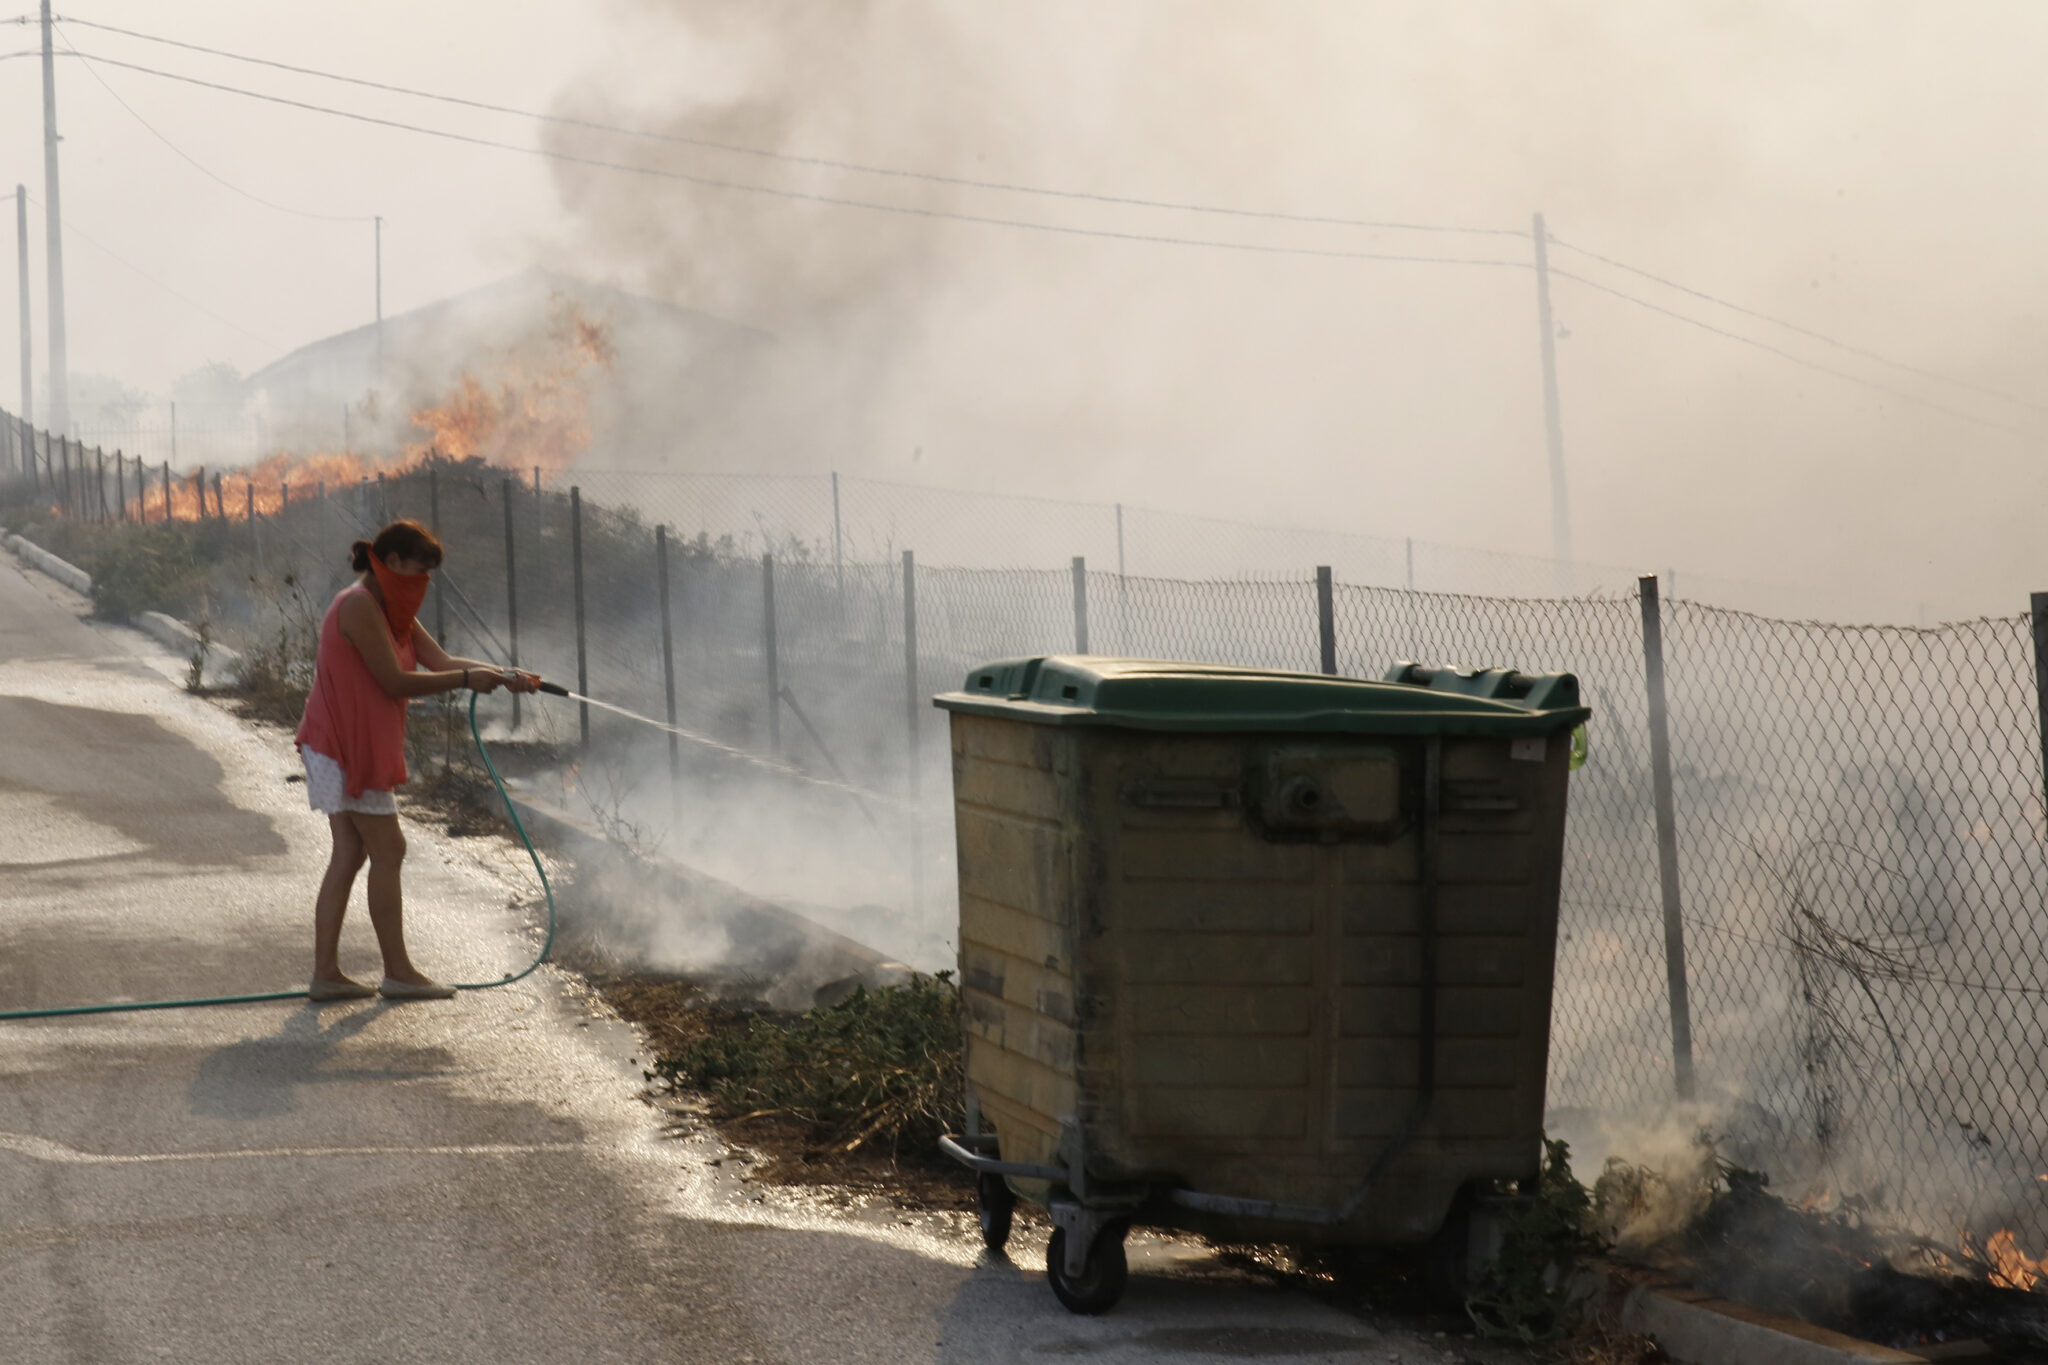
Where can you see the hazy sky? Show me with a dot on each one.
(1863, 170)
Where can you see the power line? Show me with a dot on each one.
(1803, 331)
(195, 163)
(94, 242)
(1779, 351)
(995, 221)
(739, 149)
(841, 201)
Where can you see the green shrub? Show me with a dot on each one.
(1525, 1294)
(879, 1065)
(146, 569)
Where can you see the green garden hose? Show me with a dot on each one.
(546, 946)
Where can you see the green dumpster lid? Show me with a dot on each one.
(1152, 694)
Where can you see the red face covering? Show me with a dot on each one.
(403, 594)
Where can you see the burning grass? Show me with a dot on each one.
(1836, 1264)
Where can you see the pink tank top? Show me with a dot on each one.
(349, 718)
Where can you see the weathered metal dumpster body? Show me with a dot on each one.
(1258, 954)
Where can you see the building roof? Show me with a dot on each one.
(454, 327)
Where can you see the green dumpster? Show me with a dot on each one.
(1258, 954)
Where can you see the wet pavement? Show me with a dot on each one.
(449, 1181)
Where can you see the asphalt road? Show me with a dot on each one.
(468, 1180)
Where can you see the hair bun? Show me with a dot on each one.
(359, 556)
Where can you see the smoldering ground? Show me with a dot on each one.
(750, 836)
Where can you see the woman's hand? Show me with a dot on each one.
(485, 680)
(518, 680)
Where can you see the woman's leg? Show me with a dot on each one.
(332, 902)
(386, 845)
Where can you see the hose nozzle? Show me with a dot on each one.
(554, 689)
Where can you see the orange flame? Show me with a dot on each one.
(2010, 1267)
(527, 417)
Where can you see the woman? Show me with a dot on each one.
(374, 658)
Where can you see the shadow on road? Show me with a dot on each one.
(258, 1078)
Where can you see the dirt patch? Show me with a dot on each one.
(677, 1014)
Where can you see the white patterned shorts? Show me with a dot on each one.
(327, 789)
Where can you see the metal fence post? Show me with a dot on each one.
(1326, 618)
(838, 553)
(912, 715)
(434, 526)
(219, 504)
(1080, 604)
(255, 530)
(2039, 608)
(768, 654)
(1414, 642)
(120, 486)
(99, 464)
(167, 490)
(668, 669)
(1667, 837)
(582, 659)
(1123, 589)
(511, 599)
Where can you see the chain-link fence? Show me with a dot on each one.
(1857, 811)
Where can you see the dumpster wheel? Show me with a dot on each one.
(1101, 1283)
(998, 1205)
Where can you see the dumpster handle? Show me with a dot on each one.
(988, 1165)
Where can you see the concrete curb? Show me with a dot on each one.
(36, 557)
(807, 962)
(223, 665)
(1696, 1327)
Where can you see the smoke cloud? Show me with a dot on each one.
(1750, 151)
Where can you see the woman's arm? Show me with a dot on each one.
(362, 625)
(431, 656)
(429, 652)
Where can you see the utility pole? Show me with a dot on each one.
(1553, 422)
(28, 378)
(53, 251)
